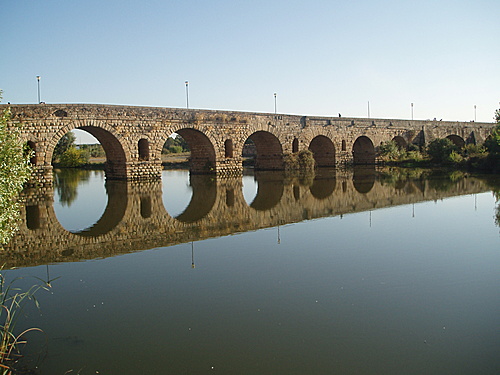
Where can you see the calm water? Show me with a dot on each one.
(341, 275)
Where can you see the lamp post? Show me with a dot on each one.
(275, 107)
(474, 113)
(187, 95)
(368, 109)
(412, 111)
(38, 83)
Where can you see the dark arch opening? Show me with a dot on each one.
(228, 148)
(400, 142)
(268, 151)
(363, 151)
(295, 145)
(143, 148)
(323, 150)
(344, 145)
(457, 140)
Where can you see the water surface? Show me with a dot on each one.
(356, 286)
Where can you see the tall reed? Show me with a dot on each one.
(12, 303)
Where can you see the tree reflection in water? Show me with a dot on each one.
(66, 182)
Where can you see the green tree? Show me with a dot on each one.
(492, 143)
(15, 169)
(64, 144)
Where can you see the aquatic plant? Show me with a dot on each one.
(12, 303)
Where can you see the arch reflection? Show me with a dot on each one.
(135, 217)
(269, 190)
(363, 178)
(202, 200)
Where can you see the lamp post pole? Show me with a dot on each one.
(38, 83)
(474, 113)
(275, 106)
(187, 95)
(412, 111)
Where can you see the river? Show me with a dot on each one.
(354, 272)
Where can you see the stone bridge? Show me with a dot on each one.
(135, 217)
(133, 137)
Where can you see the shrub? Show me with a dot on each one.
(175, 149)
(73, 157)
(15, 169)
(389, 151)
(302, 160)
(440, 149)
(455, 157)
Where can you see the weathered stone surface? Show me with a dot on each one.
(216, 138)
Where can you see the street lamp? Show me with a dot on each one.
(38, 83)
(187, 95)
(368, 109)
(275, 103)
(412, 111)
(474, 113)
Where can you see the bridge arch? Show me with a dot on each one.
(269, 151)
(400, 142)
(203, 155)
(323, 150)
(116, 151)
(457, 140)
(363, 151)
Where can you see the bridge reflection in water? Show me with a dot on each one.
(135, 217)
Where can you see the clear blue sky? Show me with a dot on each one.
(320, 57)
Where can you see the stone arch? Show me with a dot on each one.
(269, 151)
(457, 140)
(323, 150)
(344, 145)
(117, 153)
(295, 145)
(400, 142)
(363, 151)
(202, 160)
(143, 149)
